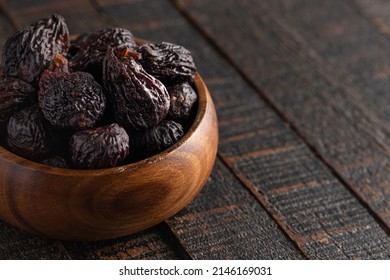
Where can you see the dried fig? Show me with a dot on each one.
(168, 62)
(182, 99)
(14, 95)
(27, 135)
(70, 100)
(140, 101)
(28, 52)
(92, 50)
(102, 147)
(156, 139)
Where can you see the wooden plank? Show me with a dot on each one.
(80, 15)
(19, 245)
(156, 243)
(254, 141)
(204, 221)
(6, 29)
(301, 193)
(141, 17)
(377, 11)
(209, 228)
(283, 49)
(347, 51)
(226, 222)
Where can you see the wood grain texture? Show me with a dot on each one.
(6, 29)
(319, 80)
(89, 20)
(16, 244)
(350, 53)
(232, 225)
(213, 228)
(376, 11)
(300, 193)
(80, 15)
(251, 131)
(156, 243)
(199, 227)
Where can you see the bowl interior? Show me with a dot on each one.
(200, 111)
(98, 204)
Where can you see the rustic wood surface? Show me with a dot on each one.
(301, 92)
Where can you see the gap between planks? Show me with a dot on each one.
(104, 17)
(263, 97)
(180, 6)
(100, 10)
(290, 235)
(282, 226)
(98, 7)
(178, 242)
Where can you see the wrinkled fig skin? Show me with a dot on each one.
(14, 94)
(92, 50)
(182, 99)
(26, 134)
(70, 100)
(156, 139)
(56, 161)
(103, 147)
(168, 62)
(140, 101)
(28, 52)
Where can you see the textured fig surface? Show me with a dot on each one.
(168, 62)
(14, 95)
(28, 52)
(27, 135)
(139, 100)
(56, 161)
(182, 99)
(92, 49)
(156, 139)
(102, 147)
(70, 100)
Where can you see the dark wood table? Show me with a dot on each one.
(302, 91)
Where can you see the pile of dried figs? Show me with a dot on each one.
(97, 101)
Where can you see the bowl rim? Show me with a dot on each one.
(29, 164)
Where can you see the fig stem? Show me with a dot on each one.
(59, 64)
(130, 53)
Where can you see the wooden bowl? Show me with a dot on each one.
(108, 203)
